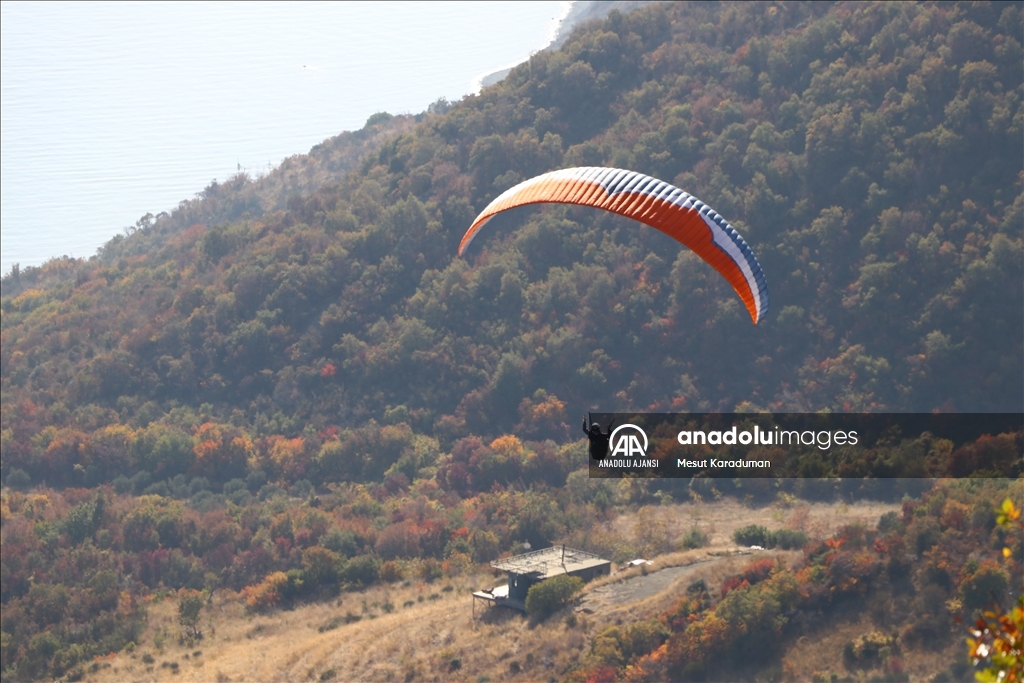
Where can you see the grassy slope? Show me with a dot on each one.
(420, 641)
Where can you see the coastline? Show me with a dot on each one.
(555, 32)
(577, 12)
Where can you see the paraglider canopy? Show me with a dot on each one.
(650, 201)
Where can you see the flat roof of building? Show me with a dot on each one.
(550, 562)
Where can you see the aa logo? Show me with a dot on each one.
(625, 441)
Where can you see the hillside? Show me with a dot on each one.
(424, 634)
(290, 389)
(879, 184)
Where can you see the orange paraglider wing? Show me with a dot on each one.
(650, 201)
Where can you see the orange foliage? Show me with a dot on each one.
(222, 452)
(68, 448)
(649, 668)
(701, 641)
(288, 457)
(732, 583)
(267, 593)
(954, 514)
(544, 415)
(602, 674)
(508, 445)
(851, 570)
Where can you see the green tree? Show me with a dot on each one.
(549, 596)
(190, 605)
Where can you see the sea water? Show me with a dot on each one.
(113, 110)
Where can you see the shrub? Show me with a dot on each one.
(267, 593)
(332, 624)
(890, 521)
(547, 597)
(869, 648)
(752, 535)
(430, 570)
(361, 570)
(788, 539)
(320, 567)
(695, 538)
(391, 571)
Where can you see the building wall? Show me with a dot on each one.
(591, 573)
(519, 586)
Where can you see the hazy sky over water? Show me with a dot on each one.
(112, 110)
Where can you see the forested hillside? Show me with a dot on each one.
(870, 156)
(313, 333)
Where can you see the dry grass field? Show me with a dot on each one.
(416, 631)
(719, 519)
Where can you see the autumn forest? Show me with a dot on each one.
(290, 387)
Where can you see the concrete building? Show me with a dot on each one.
(531, 568)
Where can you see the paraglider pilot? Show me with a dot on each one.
(598, 439)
